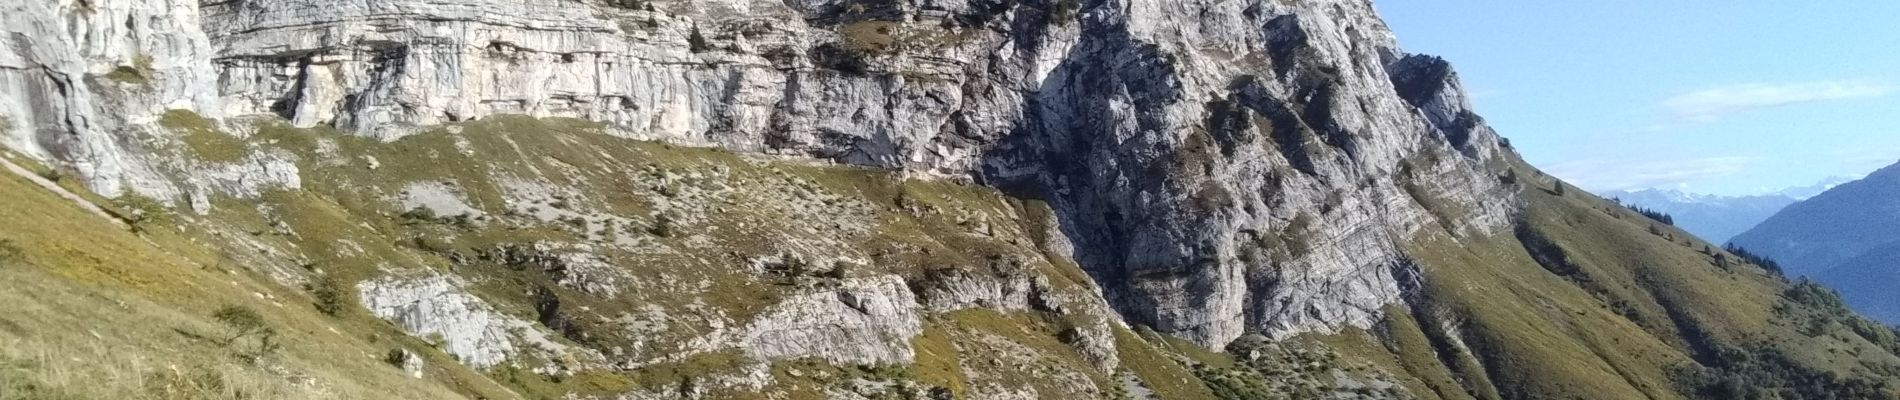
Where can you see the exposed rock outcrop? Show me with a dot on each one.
(436, 308)
(1261, 179)
(862, 321)
(1006, 284)
(1037, 199)
(1220, 167)
(78, 77)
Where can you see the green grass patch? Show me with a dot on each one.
(1158, 371)
(203, 138)
(160, 294)
(140, 72)
(937, 361)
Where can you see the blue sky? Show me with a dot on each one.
(1723, 97)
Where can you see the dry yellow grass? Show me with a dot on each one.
(89, 310)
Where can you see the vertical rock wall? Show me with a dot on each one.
(1221, 167)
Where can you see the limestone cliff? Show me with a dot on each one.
(1208, 127)
(862, 198)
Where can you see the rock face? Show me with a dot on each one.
(410, 362)
(1220, 167)
(864, 321)
(1037, 198)
(1261, 181)
(77, 75)
(436, 308)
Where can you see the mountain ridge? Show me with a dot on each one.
(834, 199)
(1842, 237)
(1831, 226)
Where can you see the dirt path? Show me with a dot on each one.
(54, 187)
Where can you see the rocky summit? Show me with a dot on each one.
(851, 199)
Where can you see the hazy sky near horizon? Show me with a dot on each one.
(1707, 96)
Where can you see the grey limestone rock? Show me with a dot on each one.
(863, 321)
(435, 307)
(1218, 167)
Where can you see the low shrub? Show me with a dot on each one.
(10, 252)
(331, 296)
(251, 337)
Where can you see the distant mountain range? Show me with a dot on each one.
(1806, 192)
(1847, 237)
(1719, 218)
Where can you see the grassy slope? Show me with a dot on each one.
(1616, 313)
(1620, 311)
(574, 154)
(94, 311)
(341, 228)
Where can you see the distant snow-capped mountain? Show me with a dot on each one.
(1719, 218)
(1715, 218)
(1805, 192)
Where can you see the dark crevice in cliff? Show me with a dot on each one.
(1291, 135)
(1087, 150)
(286, 107)
(1421, 80)
(1448, 349)
(388, 60)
